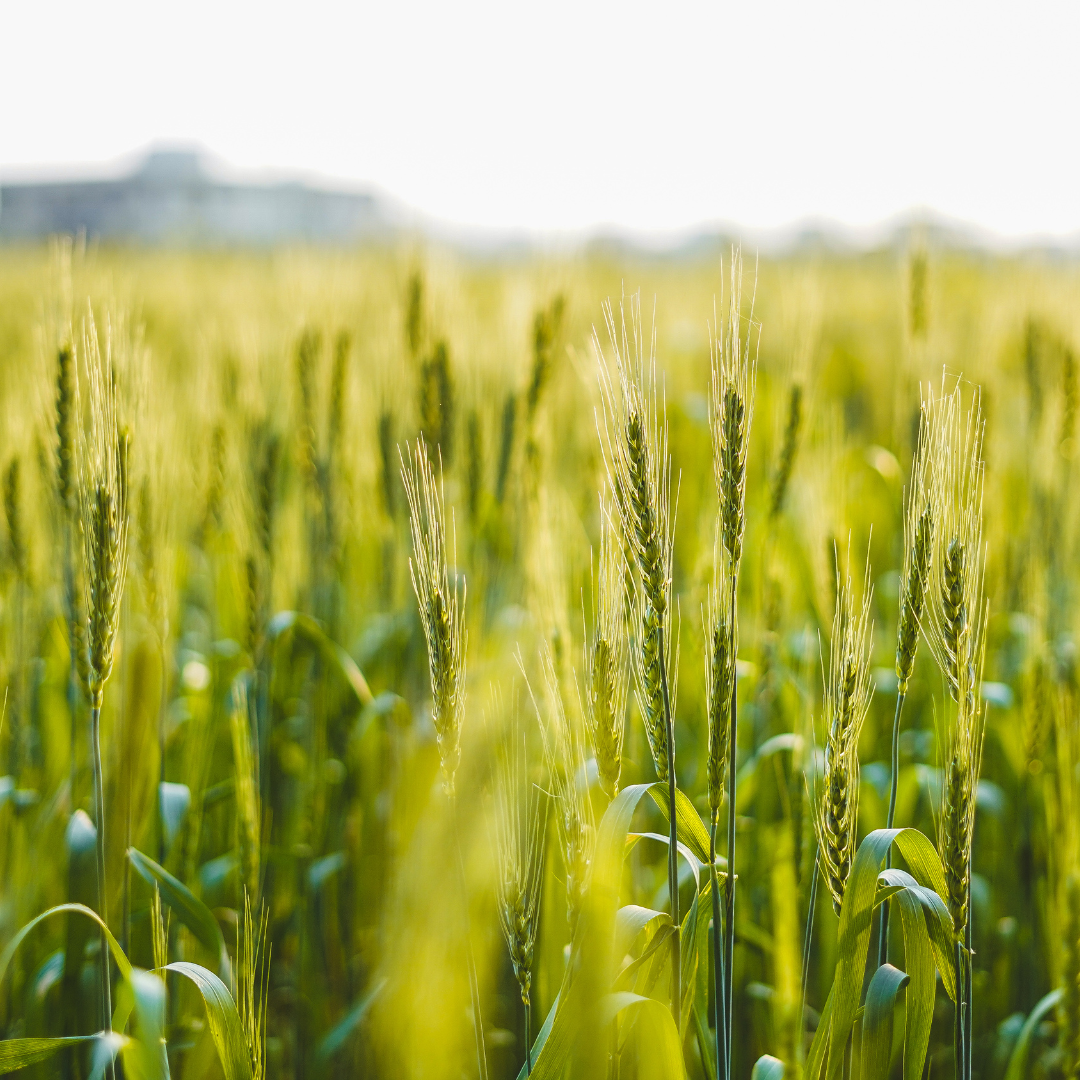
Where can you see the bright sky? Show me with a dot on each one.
(567, 114)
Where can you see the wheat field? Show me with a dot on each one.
(359, 609)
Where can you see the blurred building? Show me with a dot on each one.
(171, 198)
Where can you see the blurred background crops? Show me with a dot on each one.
(268, 396)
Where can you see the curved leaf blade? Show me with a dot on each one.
(768, 1068)
(856, 915)
(306, 627)
(877, 1029)
(114, 946)
(689, 827)
(1017, 1069)
(222, 1019)
(189, 909)
(339, 1034)
(18, 1053)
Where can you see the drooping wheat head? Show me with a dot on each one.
(719, 676)
(733, 356)
(847, 699)
(521, 811)
(633, 435)
(606, 648)
(441, 605)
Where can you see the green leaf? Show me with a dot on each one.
(659, 1045)
(938, 921)
(695, 943)
(106, 1048)
(691, 859)
(145, 1057)
(689, 827)
(222, 1019)
(706, 1040)
(173, 801)
(746, 781)
(630, 921)
(339, 1034)
(321, 870)
(819, 1047)
(1018, 1069)
(189, 909)
(553, 1047)
(541, 1037)
(919, 961)
(656, 943)
(767, 1068)
(877, 1026)
(856, 915)
(114, 946)
(306, 628)
(18, 1053)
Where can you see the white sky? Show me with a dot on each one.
(564, 115)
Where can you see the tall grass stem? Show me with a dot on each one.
(894, 770)
(673, 845)
(729, 925)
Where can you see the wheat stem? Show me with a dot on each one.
(808, 935)
(99, 813)
(673, 847)
(894, 762)
(729, 927)
(958, 1013)
(528, 1039)
(718, 955)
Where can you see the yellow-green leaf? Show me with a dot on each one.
(222, 1019)
(877, 1027)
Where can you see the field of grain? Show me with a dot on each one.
(357, 608)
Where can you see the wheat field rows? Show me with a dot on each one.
(585, 665)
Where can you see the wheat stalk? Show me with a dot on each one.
(957, 615)
(634, 438)
(103, 501)
(919, 521)
(733, 377)
(442, 615)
